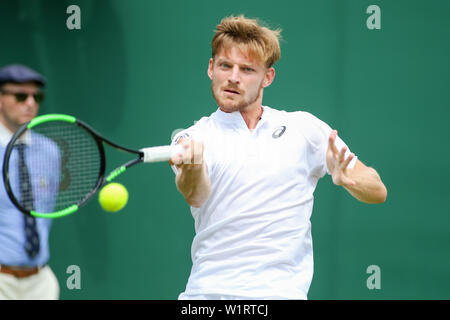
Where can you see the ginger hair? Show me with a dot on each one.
(251, 37)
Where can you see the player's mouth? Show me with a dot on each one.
(231, 91)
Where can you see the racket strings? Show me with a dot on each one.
(64, 164)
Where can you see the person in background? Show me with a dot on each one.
(24, 240)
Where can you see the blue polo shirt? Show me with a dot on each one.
(12, 234)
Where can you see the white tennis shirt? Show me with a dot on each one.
(253, 234)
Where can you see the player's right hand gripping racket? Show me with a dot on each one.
(65, 165)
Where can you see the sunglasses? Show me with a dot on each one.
(22, 96)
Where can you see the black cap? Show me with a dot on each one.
(19, 74)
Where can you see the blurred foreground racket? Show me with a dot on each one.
(65, 160)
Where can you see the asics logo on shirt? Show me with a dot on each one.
(278, 132)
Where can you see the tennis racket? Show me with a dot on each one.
(65, 163)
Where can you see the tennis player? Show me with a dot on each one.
(249, 173)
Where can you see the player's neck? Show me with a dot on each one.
(251, 115)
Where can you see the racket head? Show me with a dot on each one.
(66, 165)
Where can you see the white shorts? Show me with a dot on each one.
(40, 286)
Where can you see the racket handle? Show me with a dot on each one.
(162, 153)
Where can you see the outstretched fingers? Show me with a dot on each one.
(348, 160)
(331, 142)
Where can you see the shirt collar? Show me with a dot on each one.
(6, 135)
(236, 117)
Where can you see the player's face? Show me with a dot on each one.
(237, 80)
(14, 113)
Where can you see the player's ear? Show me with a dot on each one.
(268, 78)
(210, 68)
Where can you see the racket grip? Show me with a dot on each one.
(162, 153)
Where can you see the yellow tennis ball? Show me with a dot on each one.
(113, 197)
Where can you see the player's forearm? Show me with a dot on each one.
(194, 184)
(368, 186)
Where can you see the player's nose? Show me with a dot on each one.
(234, 75)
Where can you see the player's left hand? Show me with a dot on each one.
(337, 164)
